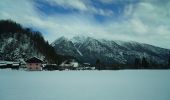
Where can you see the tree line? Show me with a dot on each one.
(139, 63)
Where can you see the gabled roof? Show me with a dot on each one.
(34, 60)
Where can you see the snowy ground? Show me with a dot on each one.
(85, 85)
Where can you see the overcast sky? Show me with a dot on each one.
(146, 21)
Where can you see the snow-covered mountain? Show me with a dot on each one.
(88, 49)
(18, 44)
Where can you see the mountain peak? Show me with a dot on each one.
(78, 39)
(88, 49)
(59, 40)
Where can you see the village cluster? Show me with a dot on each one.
(36, 64)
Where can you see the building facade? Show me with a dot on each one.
(34, 64)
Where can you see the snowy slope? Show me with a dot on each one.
(13, 49)
(88, 49)
(18, 43)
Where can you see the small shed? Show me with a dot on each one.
(34, 64)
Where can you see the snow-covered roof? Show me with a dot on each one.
(34, 60)
(70, 62)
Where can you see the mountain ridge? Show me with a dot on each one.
(109, 51)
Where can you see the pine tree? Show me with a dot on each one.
(145, 63)
(98, 64)
(169, 59)
(137, 63)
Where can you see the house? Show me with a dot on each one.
(50, 67)
(34, 64)
(71, 64)
(87, 66)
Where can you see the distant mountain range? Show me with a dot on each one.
(18, 43)
(88, 49)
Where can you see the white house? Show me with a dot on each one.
(34, 64)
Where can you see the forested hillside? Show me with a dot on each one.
(19, 43)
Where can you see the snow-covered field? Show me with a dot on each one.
(85, 85)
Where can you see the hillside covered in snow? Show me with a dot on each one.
(18, 44)
(88, 49)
